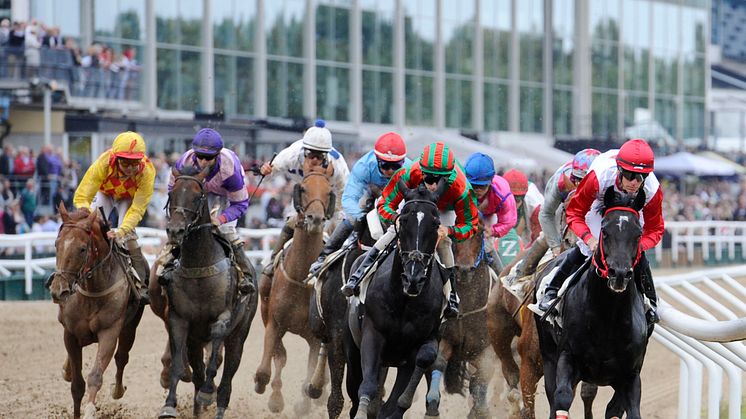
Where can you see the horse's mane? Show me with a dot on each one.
(82, 214)
(612, 198)
(190, 171)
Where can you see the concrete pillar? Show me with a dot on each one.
(356, 57)
(477, 87)
(581, 98)
(207, 68)
(260, 63)
(309, 59)
(399, 82)
(150, 63)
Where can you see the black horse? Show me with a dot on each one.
(398, 324)
(329, 323)
(204, 304)
(604, 333)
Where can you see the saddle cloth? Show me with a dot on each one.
(520, 286)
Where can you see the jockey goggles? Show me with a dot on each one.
(575, 180)
(390, 165)
(128, 162)
(314, 154)
(432, 179)
(206, 157)
(630, 176)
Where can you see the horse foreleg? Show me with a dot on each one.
(531, 369)
(432, 399)
(588, 394)
(337, 368)
(218, 332)
(316, 381)
(628, 396)
(478, 385)
(371, 345)
(107, 343)
(263, 371)
(122, 356)
(194, 352)
(265, 289)
(178, 329)
(426, 356)
(567, 379)
(75, 364)
(276, 401)
(233, 352)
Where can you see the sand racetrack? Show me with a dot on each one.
(31, 385)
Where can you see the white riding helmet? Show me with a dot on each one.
(318, 137)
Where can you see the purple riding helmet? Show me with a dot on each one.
(207, 141)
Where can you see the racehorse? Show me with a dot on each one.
(329, 322)
(508, 318)
(285, 304)
(96, 303)
(604, 333)
(464, 339)
(397, 326)
(204, 306)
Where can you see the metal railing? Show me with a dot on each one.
(151, 240)
(707, 235)
(705, 341)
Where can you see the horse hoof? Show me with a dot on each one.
(90, 411)
(313, 392)
(220, 413)
(117, 391)
(435, 416)
(260, 382)
(431, 409)
(276, 403)
(167, 412)
(205, 399)
(404, 401)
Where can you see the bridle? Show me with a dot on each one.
(416, 256)
(190, 227)
(90, 266)
(301, 209)
(602, 268)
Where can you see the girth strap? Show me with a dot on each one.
(204, 272)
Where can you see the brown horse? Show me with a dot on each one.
(464, 339)
(285, 298)
(508, 318)
(96, 302)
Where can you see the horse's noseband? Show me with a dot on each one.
(183, 210)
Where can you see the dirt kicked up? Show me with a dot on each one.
(31, 385)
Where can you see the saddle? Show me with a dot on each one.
(521, 286)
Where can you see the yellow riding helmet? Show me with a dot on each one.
(128, 145)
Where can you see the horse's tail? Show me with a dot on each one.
(455, 375)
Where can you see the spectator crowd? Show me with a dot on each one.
(33, 49)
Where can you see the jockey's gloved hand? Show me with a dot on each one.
(255, 170)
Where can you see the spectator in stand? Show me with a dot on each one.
(6, 193)
(49, 170)
(4, 31)
(52, 38)
(32, 42)
(9, 220)
(23, 166)
(28, 201)
(62, 195)
(7, 160)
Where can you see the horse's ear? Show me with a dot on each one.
(442, 188)
(329, 170)
(175, 172)
(92, 216)
(639, 201)
(203, 174)
(611, 197)
(63, 212)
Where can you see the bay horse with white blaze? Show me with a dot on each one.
(96, 303)
(398, 324)
(604, 333)
(204, 306)
(285, 297)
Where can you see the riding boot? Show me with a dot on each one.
(166, 263)
(285, 235)
(644, 278)
(246, 284)
(336, 240)
(451, 310)
(572, 261)
(142, 269)
(537, 250)
(495, 262)
(353, 283)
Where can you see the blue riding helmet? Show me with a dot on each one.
(207, 141)
(480, 169)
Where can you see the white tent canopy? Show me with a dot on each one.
(684, 163)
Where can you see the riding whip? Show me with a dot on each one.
(262, 178)
(573, 279)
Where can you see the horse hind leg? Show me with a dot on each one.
(478, 386)
(264, 370)
(122, 356)
(316, 382)
(276, 401)
(335, 356)
(195, 353)
(218, 332)
(107, 342)
(233, 352)
(67, 373)
(75, 364)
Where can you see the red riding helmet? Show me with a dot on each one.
(390, 147)
(636, 156)
(518, 182)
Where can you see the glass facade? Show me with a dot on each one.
(649, 54)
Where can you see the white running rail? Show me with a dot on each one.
(705, 329)
(150, 239)
(691, 234)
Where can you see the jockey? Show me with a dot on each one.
(315, 146)
(122, 178)
(564, 181)
(628, 170)
(495, 201)
(225, 185)
(436, 162)
(527, 193)
(372, 171)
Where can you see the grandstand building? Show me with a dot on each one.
(508, 72)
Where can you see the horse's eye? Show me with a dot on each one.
(83, 249)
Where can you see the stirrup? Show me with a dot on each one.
(546, 302)
(144, 296)
(246, 287)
